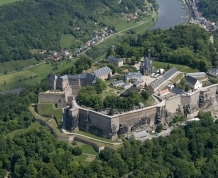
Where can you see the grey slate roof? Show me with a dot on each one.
(53, 77)
(213, 70)
(177, 90)
(137, 83)
(127, 92)
(64, 77)
(102, 71)
(134, 75)
(163, 78)
(125, 84)
(147, 63)
(191, 80)
(117, 82)
(112, 58)
(84, 75)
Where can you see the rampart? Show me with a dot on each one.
(51, 97)
(109, 126)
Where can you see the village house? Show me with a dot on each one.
(117, 83)
(133, 75)
(193, 82)
(103, 73)
(117, 62)
(213, 72)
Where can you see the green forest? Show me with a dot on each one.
(187, 45)
(209, 9)
(39, 24)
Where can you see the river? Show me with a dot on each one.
(170, 13)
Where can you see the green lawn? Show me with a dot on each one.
(178, 77)
(16, 65)
(48, 110)
(3, 2)
(94, 136)
(12, 80)
(42, 70)
(14, 77)
(181, 68)
(88, 149)
(149, 102)
(66, 41)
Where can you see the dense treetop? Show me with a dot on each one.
(188, 45)
(39, 24)
(209, 8)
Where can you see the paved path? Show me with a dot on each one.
(88, 154)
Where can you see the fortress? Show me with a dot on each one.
(110, 126)
(129, 121)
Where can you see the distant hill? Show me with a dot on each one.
(209, 8)
(39, 24)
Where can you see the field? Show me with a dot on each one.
(3, 2)
(177, 78)
(88, 149)
(66, 41)
(48, 110)
(181, 68)
(16, 65)
(41, 71)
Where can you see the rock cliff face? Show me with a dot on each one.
(110, 126)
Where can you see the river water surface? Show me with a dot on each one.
(170, 13)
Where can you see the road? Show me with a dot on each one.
(162, 133)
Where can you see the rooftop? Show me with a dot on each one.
(214, 70)
(126, 93)
(147, 63)
(125, 84)
(164, 78)
(117, 82)
(112, 58)
(134, 75)
(53, 77)
(102, 71)
(191, 80)
(138, 83)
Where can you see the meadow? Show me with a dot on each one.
(49, 110)
(66, 41)
(3, 2)
(30, 76)
(16, 65)
(181, 68)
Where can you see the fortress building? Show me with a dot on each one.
(103, 73)
(70, 82)
(146, 68)
(116, 61)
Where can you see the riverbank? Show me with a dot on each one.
(170, 13)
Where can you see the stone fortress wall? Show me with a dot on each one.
(110, 126)
(51, 97)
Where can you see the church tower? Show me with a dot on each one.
(149, 53)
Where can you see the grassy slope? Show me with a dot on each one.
(41, 71)
(66, 41)
(49, 110)
(181, 68)
(16, 65)
(3, 2)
